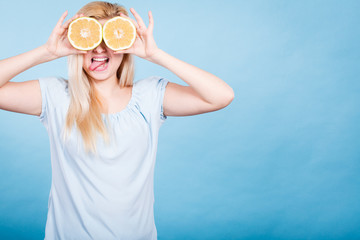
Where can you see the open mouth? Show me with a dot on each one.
(99, 63)
(105, 59)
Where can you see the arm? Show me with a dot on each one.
(13, 66)
(25, 97)
(21, 97)
(205, 92)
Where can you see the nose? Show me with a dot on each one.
(101, 48)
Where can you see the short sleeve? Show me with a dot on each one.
(152, 91)
(160, 88)
(52, 92)
(43, 99)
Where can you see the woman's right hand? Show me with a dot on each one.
(58, 44)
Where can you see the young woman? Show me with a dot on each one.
(102, 186)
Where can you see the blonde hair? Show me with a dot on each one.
(85, 103)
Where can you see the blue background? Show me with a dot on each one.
(280, 162)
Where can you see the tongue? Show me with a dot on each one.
(95, 64)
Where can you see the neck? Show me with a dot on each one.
(106, 87)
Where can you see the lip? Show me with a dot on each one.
(100, 57)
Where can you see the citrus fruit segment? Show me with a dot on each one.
(85, 33)
(119, 33)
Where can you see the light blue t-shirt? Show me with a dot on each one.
(109, 195)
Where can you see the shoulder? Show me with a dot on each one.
(54, 89)
(150, 93)
(147, 81)
(151, 85)
(55, 83)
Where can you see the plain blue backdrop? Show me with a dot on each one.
(282, 161)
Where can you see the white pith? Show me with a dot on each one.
(85, 32)
(119, 33)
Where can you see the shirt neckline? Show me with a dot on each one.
(127, 106)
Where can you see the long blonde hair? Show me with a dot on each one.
(85, 104)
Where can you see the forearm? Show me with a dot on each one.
(211, 88)
(13, 66)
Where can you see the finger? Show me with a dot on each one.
(123, 51)
(67, 23)
(81, 52)
(132, 20)
(151, 22)
(63, 16)
(138, 18)
(74, 52)
(139, 37)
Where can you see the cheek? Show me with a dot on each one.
(86, 61)
(118, 59)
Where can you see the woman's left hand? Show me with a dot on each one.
(144, 45)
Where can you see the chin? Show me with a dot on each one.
(100, 77)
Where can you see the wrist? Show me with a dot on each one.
(156, 56)
(47, 54)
